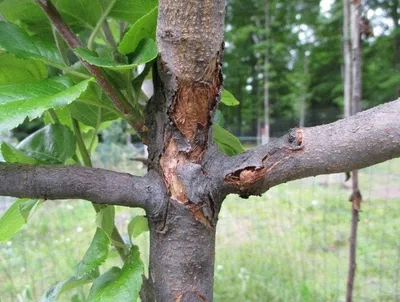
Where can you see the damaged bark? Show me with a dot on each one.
(188, 177)
(188, 87)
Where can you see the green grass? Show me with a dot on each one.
(291, 244)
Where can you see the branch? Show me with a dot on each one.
(74, 182)
(119, 101)
(362, 140)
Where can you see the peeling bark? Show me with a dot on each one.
(188, 177)
(188, 86)
(352, 143)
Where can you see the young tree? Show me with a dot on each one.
(188, 176)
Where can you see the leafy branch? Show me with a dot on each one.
(119, 101)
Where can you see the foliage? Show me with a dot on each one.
(41, 79)
(300, 30)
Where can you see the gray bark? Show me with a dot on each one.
(369, 137)
(189, 177)
(73, 182)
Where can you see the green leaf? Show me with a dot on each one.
(226, 142)
(16, 41)
(52, 294)
(14, 70)
(130, 10)
(22, 10)
(137, 226)
(28, 208)
(80, 12)
(27, 14)
(53, 144)
(13, 155)
(16, 216)
(228, 99)
(219, 118)
(90, 115)
(105, 219)
(19, 101)
(145, 27)
(95, 255)
(145, 52)
(119, 284)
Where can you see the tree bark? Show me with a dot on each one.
(74, 182)
(342, 146)
(182, 257)
(187, 90)
(189, 177)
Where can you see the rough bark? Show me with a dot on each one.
(188, 85)
(188, 176)
(73, 182)
(353, 143)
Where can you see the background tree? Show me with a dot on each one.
(189, 174)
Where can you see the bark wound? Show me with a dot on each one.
(191, 297)
(186, 140)
(247, 177)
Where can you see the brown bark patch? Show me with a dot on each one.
(190, 114)
(356, 199)
(169, 162)
(198, 214)
(248, 176)
(299, 136)
(190, 297)
(192, 107)
(194, 101)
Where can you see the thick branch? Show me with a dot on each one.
(368, 138)
(102, 79)
(73, 182)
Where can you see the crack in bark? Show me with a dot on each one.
(247, 177)
(190, 110)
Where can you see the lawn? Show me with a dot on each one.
(291, 244)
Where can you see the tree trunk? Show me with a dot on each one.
(266, 135)
(347, 57)
(187, 90)
(303, 97)
(182, 258)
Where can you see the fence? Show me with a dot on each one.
(291, 244)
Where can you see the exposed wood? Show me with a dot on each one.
(188, 84)
(368, 138)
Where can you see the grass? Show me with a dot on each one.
(291, 244)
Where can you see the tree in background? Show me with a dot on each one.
(81, 82)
